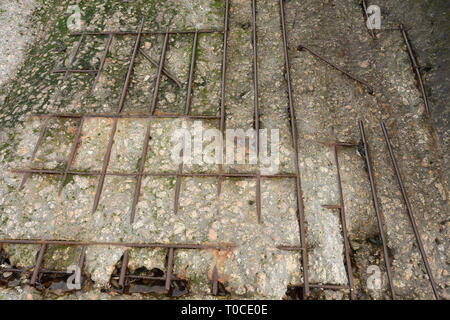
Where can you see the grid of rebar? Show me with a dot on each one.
(220, 175)
(168, 276)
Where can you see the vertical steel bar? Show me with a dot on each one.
(37, 266)
(409, 210)
(105, 166)
(158, 77)
(137, 190)
(256, 106)
(130, 67)
(102, 61)
(72, 60)
(176, 203)
(300, 205)
(123, 269)
(72, 154)
(367, 19)
(36, 147)
(82, 258)
(222, 94)
(169, 269)
(377, 209)
(191, 75)
(348, 263)
(416, 68)
(215, 281)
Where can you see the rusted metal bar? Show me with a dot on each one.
(214, 281)
(348, 263)
(164, 70)
(256, 106)
(191, 75)
(72, 60)
(130, 68)
(137, 190)
(369, 87)
(36, 147)
(328, 286)
(218, 246)
(222, 93)
(158, 77)
(75, 71)
(377, 209)
(258, 197)
(176, 203)
(409, 211)
(294, 133)
(102, 61)
(133, 276)
(82, 258)
(290, 248)
(37, 266)
(123, 33)
(416, 68)
(364, 6)
(105, 166)
(250, 175)
(72, 154)
(143, 115)
(123, 269)
(169, 268)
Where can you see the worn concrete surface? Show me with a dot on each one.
(323, 98)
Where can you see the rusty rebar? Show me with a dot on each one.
(218, 246)
(409, 211)
(72, 154)
(256, 106)
(416, 68)
(158, 77)
(142, 115)
(131, 33)
(364, 6)
(137, 190)
(75, 71)
(37, 266)
(348, 263)
(105, 166)
(164, 70)
(36, 147)
(301, 47)
(222, 93)
(214, 281)
(169, 268)
(191, 75)
(72, 60)
(102, 61)
(250, 175)
(123, 269)
(294, 133)
(130, 68)
(377, 209)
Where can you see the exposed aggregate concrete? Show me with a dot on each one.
(324, 98)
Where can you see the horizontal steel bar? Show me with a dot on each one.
(75, 71)
(124, 115)
(154, 174)
(121, 33)
(291, 248)
(219, 246)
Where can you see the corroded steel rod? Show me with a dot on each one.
(294, 135)
(409, 211)
(377, 209)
